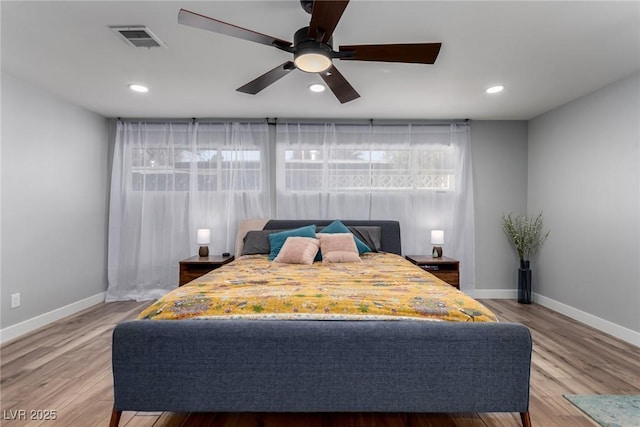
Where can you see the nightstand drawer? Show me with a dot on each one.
(194, 267)
(439, 268)
(444, 268)
(194, 271)
(449, 276)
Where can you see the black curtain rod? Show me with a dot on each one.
(371, 122)
(275, 120)
(188, 120)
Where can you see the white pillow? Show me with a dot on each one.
(298, 250)
(338, 247)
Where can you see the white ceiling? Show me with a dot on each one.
(545, 53)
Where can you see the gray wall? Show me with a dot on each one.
(54, 202)
(579, 164)
(584, 173)
(499, 150)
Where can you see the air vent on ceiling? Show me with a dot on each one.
(138, 36)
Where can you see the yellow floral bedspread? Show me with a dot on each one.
(381, 287)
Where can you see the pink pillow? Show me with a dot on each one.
(338, 247)
(298, 250)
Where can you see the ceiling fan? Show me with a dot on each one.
(312, 48)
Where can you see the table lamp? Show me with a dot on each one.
(203, 239)
(437, 239)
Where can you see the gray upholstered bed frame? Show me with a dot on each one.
(321, 366)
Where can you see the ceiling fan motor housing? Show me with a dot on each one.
(310, 55)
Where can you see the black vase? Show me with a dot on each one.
(524, 283)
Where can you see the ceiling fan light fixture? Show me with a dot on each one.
(310, 55)
(495, 89)
(312, 61)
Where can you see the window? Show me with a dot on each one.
(380, 169)
(214, 169)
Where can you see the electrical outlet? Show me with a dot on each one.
(15, 300)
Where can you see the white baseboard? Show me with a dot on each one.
(625, 334)
(22, 328)
(492, 293)
(596, 322)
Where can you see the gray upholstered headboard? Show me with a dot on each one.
(390, 230)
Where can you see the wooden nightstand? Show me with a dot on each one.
(196, 266)
(447, 269)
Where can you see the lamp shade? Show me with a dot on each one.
(204, 236)
(437, 237)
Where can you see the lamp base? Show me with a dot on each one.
(204, 251)
(437, 252)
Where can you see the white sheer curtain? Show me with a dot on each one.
(419, 175)
(168, 180)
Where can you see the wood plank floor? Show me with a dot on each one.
(65, 369)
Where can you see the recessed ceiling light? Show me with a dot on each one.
(316, 87)
(138, 88)
(495, 89)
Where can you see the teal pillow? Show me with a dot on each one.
(276, 240)
(338, 227)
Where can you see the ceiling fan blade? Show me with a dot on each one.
(267, 78)
(192, 19)
(418, 53)
(324, 18)
(339, 85)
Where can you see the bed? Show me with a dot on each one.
(326, 345)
